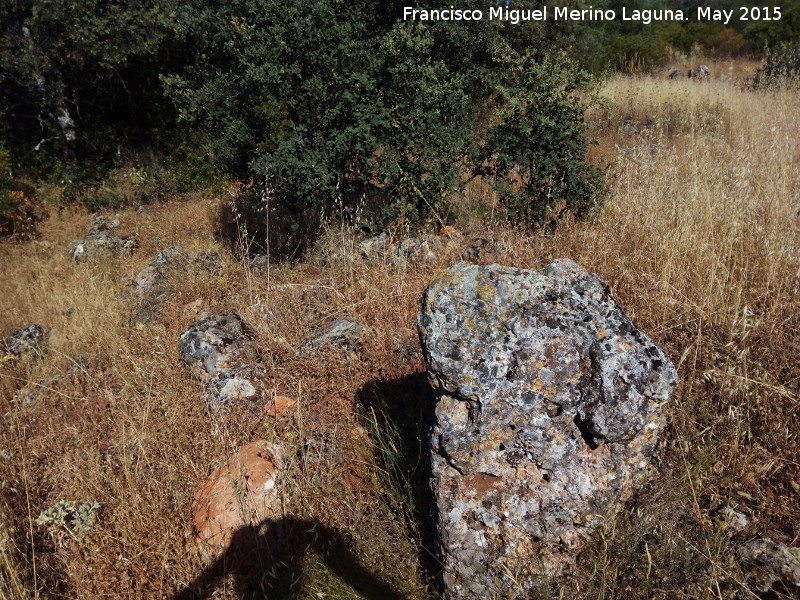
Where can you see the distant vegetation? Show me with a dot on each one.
(323, 107)
(633, 46)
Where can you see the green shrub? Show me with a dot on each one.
(16, 210)
(537, 148)
(342, 106)
(781, 68)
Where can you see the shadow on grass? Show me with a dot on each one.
(273, 559)
(398, 413)
(269, 561)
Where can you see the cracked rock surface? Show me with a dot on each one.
(218, 349)
(549, 405)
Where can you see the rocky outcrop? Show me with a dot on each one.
(218, 349)
(550, 401)
(29, 340)
(242, 492)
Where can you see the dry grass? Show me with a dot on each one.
(699, 244)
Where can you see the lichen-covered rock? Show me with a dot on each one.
(772, 567)
(425, 248)
(29, 340)
(341, 333)
(549, 405)
(218, 349)
(244, 491)
(100, 243)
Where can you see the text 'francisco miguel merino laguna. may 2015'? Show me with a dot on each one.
(516, 16)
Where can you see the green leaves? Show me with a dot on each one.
(331, 102)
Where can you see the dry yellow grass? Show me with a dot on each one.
(699, 243)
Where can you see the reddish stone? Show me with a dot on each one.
(282, 406)
(242, 492)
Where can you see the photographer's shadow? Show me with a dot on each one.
(269, 561)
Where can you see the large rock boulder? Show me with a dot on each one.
(242, 492)
(550, 401)
(218, 349)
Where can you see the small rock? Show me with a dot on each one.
(381, 248)
(701, 72)
(218, 349)
(171, 256)
(100, 243)
(193, 310)
(241, 383)
(415, 249)
(375, 247)
(629, 128)
(735, 520)
(480, 250)
(282, 406)
(213, 344)
(773, 567)
(341, 333)
(101, 223)
(150, 281)
(29, 340)
(207, 261)
(244, 491)
(260, 263)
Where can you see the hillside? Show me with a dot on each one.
(698, 243)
